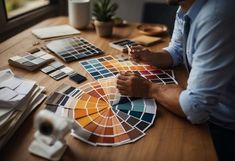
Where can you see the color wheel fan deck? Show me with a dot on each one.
(101, 115)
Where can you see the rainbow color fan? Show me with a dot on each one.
(101, 115)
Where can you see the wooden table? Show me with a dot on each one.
(169, 139)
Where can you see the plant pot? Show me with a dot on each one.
(104, 29)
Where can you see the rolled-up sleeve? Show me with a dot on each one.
(175, 46)
(213, 63)
(196, 111)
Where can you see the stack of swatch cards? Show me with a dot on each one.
(33, 60)
(71, 49)
(18, 97)
(109, 66)
(101, 115)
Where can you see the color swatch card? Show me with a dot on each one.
(32, 61)
(101, 115)
(71, 49)
(52, 67)
(140, 40)
(109, 66)
(122, 44)
(57, 70)
(61, 73)
(55, 31)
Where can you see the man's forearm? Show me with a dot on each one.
(163, 59)
(168, 96)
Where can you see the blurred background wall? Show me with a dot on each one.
(151, 11)
(131, 10)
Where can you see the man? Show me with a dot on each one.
(204, 40)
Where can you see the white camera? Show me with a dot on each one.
(49, 140)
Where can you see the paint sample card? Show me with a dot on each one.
(77, 78)
(71, 49)
(109, 66)
(52, 67)
(32, 61)
(57, 70)
(103, 116)
(122, 44)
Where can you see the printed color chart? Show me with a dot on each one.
(108, 66)
(71, 49)
(122, 44)
(102, 116)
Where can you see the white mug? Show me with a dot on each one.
(79, 13)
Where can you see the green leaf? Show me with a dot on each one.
(104, 10)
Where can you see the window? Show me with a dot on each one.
(17, 15)
(18, 7)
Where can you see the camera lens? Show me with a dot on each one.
(46, 127)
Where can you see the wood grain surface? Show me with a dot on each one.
(169, 139)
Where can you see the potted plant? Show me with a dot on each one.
(103, 11)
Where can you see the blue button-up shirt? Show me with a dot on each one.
(210, 93)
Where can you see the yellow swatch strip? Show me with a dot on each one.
(84, 121)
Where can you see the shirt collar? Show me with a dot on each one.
(194, 9)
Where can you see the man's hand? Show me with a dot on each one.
(131, 84)
(134, 85)
(143, 55)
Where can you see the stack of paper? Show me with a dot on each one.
(18, 97)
